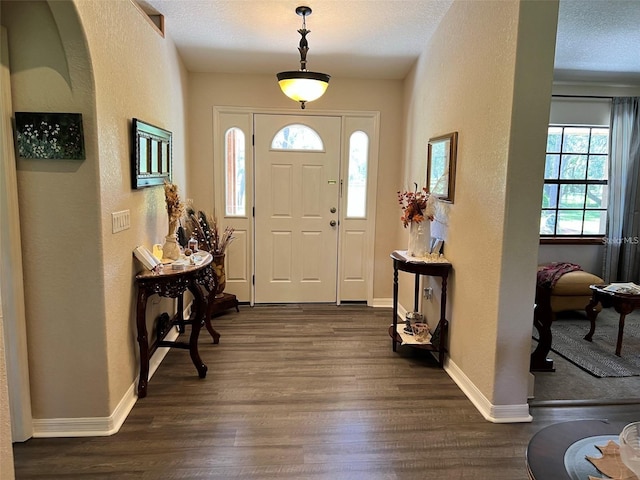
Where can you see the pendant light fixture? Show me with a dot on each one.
(302, 85)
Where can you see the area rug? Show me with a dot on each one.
(598, 356)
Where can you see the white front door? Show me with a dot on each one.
(297, 193)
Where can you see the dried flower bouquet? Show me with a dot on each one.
(175, 208)
(416, 206)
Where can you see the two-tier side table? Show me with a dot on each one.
(433, 269)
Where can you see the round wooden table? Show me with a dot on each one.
(558, 451)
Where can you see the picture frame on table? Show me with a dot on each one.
(436, 245)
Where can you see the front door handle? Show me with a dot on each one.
(333, 223)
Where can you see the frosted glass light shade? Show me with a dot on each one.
(303, 86)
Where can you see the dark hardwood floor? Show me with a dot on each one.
(301, 392)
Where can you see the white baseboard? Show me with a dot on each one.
(492, 413)
(532, 384)
(382, 303)
(87, 426)
(103, 426)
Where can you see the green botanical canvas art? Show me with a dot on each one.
(49, 135)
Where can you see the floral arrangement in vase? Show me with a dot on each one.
(416, 206)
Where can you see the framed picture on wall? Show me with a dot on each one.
(151, 156)
(441, 166)
(54, 136)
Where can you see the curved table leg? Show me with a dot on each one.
(195, 331)
(207, 319)
(592, 314)
(212, 331)
(143, 342)
(542, 320)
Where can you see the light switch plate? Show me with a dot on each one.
(120, 221)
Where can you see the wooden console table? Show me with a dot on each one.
(172, 284)
(429, 269)
(623, 303)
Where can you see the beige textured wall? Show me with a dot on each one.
(60, 221)
(104, 60)
(262, 91)
(467, 81)
(137, 74)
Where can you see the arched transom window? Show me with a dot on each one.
(297, 137)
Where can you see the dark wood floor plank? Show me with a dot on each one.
(301, 392)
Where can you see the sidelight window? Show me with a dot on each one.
(357, 180)
(235, 182)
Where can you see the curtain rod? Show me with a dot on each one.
(584, 96)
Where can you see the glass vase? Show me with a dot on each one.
(419, 237)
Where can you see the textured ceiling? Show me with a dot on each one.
(597, 39)
(358, 38)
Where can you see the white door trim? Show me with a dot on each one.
(12, 307)
(374, 116)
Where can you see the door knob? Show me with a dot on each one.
(332, 223)
(333, 210)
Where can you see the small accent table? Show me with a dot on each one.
(623, 303)
(172, 284)
(432, 269)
